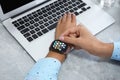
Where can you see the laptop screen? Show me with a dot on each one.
(9, 5)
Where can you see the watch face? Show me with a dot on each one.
(59, 46)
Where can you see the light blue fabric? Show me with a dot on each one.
(44, 69)
(116, 51)
(48, 68)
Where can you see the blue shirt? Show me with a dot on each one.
(116, 51)
(44, 69)
(48, 68)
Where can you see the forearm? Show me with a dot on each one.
(102, 49)
(47, 66)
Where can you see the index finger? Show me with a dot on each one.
(70, 31)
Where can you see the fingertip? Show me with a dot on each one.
(69, 16)
(61, 38)
(60, 19)
(64, 17)
(69, 13)
(80, 24)
(73, 15)
(73, 18)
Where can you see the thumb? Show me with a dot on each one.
(69, 40)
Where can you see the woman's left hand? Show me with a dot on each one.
(66, 22)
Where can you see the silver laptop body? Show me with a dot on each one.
(95, 19)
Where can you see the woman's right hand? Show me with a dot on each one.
(83, 39)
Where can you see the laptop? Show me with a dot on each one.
(32, 22)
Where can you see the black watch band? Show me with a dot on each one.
(58, 46)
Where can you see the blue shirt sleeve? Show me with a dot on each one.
(44, 69)
(116, 51)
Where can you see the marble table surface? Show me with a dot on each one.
(79, 65)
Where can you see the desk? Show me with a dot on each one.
(15, 62)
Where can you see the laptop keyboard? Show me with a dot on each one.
(45, 19)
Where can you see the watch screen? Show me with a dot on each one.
(59, 46)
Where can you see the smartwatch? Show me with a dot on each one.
(58, 46)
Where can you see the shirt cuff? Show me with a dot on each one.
(116, 51)
(44, 69)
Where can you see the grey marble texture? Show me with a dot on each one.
(79, 65)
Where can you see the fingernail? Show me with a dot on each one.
(74, 14)
(61, 38)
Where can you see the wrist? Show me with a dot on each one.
(108, 49)
(104, 49)
(57, 50)
(60, 57)
(59, 47)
